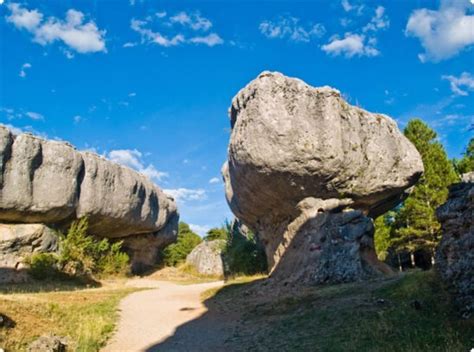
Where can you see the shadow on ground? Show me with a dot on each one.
(409, 312)
(21, 282)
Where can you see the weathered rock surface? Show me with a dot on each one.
(52, 183)
(455, 253)
(207, 258)
(48, 343)
(17, 242)
(296, 151)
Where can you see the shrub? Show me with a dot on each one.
(243, 254)
(80, 255)
(217, 233)
(177, 252)
(43, 265)
(84, 255)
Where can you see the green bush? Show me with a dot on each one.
(177, 252)
(84, 255)
(80, 255)
(43, 265)
(243, 254)
(217, 233)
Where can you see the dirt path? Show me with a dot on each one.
(148, 318)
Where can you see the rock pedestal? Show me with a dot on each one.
(298, 157)
(455, 253)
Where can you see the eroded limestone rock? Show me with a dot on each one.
(50, 182)
(301, 155)
(455, 253)
(207, 258)
(17, 243)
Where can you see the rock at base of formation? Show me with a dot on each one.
(298, 158)
(207, 258)
(50, 182)
(455, 253)
(17, 243)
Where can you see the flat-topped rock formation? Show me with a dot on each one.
(299, 159)
(50, 182)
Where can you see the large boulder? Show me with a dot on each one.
(50, 182)
(207, 258)
(20, 241)
(297, 150)
(455, 252)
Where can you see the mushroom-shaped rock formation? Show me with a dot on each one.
(300, 160)
(50, 182)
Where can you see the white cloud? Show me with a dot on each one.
(23, 69)
(23, 18)
(443, 33)
(290, 28)
(74, 31)
(214, 180)
(378, 22)
(359, 44)
(201, 230)
(462, 84)
(351, 45)
(34, 115)
(130, 45)
(193, 20)
(133, 159)
(348, 7)
(175, 30)
(209, 40)
(132, 94)
(77, 119)
(185, 194)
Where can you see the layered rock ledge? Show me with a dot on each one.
(52, 183)
(305, 170)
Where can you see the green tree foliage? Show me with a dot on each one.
(466, 163)
(383, 236)
(177, 252)
(216, 233)
(80, 255)
(243, 254)
(415, 225)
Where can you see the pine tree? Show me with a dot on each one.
(466, 164)
(416, 226)
(383, 235)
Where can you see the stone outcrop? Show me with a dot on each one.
(298, 156)
(455, 253)
(17, 243)
(207, 258)
(50, 182)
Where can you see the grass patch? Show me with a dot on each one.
(87, 317)
(184, 274)
(409, 313)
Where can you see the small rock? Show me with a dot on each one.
(48, 343)
(6, 322)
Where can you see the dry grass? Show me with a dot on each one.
(184, 275)
(86, 317)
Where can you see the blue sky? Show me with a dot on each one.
(148, 83)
